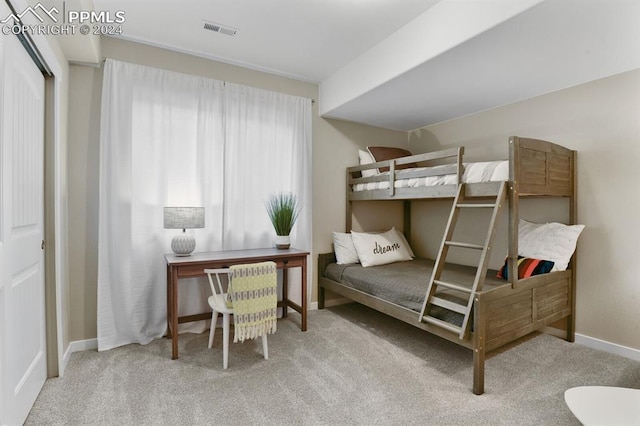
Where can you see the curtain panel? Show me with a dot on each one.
(171, 139)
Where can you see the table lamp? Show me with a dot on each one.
(183, 218)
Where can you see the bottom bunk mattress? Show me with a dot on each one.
(405, 283)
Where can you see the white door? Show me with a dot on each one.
(23, 364)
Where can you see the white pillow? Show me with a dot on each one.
(344, 249)
(366, 158)
(380, 249)
(548, 241)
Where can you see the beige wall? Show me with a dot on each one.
(601, 120)
(335, 146)
(83, 159)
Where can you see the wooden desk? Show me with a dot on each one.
(194, 266)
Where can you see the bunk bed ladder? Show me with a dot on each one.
(431, 298)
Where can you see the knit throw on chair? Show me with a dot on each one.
(254, 296)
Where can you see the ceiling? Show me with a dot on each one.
(304, 39)
(403, 64)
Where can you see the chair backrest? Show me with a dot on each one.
(256, 270)
(219, 292)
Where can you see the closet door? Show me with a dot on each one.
(23, 364)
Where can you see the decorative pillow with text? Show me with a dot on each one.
(380, 249)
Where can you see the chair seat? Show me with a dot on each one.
(218, 304)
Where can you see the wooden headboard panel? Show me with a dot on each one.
(541, 168)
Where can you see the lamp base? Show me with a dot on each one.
(183, 244)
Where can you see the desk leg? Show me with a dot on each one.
(173, 310)
(169, 298)
(304, 294)
(285, 291)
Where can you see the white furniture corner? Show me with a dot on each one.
(604, 405)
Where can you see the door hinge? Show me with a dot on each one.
(42, 245)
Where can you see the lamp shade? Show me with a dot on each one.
(183, 217)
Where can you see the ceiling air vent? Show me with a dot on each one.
(212, 26)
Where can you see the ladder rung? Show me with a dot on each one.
(464, 245)
(443, 324)
(477, 206)
(447, 304)
(452, 286)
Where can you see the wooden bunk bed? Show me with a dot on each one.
(499, 313)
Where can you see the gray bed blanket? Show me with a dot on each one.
(405, 283)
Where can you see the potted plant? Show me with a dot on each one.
(283, 211)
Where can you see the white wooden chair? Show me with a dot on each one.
(220, 304)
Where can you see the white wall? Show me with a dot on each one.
(601, 120)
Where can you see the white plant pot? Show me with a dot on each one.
(283, 241)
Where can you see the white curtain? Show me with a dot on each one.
(170, 139)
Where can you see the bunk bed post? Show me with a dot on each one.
(514, 200)
(348, 205)
(392, 178)
(406, 225)
(320, 296)
(479, 344)
(323, 261)
(573, 219)
(459, 165)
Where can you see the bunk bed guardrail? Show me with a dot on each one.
(453, 165)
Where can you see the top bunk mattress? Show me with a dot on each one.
(485, 171)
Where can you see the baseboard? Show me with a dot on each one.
(77, 346)
(603, 345)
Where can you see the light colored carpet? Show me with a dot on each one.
(353, 366)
